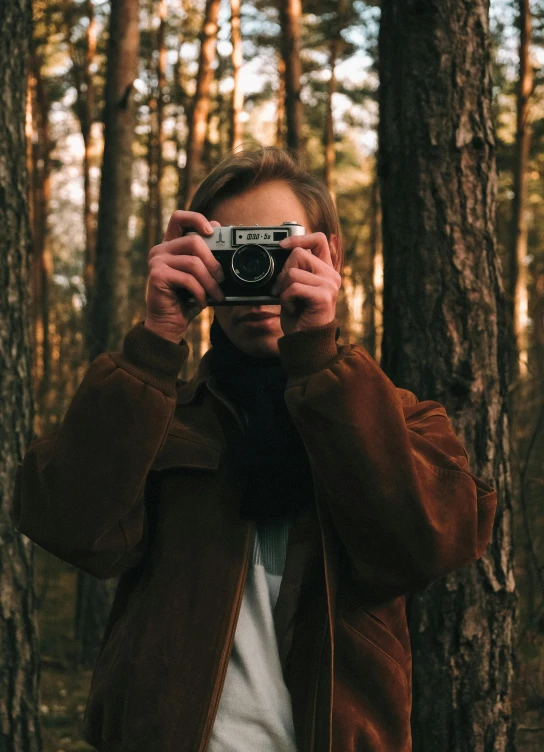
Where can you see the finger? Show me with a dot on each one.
(177, 281)
(183, 220)
(215, 223)
(316, 298)
(297, 275)
(195, 266)
(192, 245)
(316, 242)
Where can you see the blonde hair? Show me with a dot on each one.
(249, 166)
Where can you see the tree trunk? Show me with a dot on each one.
(335, 46)
(88, 112)
(109, 317)
(237, 126)
(290, 21)
(41, 267)
(519, 272)
(445, 338)
(200, 108)
(373, 261)
(19, 660)
(155, 141)
(280, 117)
(161, 86)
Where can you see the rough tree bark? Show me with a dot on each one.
(519, 272)
(445, 338)
(19, 660)
(237, 126)
(198, 117)
(290, 21)
(109, 317)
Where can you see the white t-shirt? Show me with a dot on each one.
(254, 711)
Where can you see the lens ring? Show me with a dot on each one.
(252, 265)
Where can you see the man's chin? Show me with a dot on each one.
(264, 346)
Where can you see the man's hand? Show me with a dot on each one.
(308, 284)
(181, 264)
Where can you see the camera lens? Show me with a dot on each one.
(252, 265)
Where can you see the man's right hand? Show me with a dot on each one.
(181, 263)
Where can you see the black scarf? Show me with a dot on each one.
(272, 458)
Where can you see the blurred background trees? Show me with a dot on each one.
(114, 148)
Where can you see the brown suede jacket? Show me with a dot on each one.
(139, 481)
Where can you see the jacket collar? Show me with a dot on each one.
(189, 390)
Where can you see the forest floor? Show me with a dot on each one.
(64, 686)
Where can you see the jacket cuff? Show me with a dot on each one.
(151, 358)
(309, 351)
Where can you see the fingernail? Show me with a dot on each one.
(219, 276)
(208, 228)
(285, 241)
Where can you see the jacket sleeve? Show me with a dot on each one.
(80, 493)
(394, 476)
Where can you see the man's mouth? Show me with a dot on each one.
(257, 316)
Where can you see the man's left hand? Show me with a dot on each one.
(308, 284)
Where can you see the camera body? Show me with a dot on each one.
(251, 259)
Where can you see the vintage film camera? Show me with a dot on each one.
(251, 258)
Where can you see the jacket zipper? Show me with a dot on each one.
(312, 723)
(224, 661)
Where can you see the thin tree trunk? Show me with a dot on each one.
(328, 135)
(280, 118)
(370, 303)
(290, 22)
(110, 305)
(19, 659)
(88, 112)
(445, 338)
(41, 195)
(161, 86)
(200, 108)
(519, 272)
(237, 126)
(335, 45)
(153, 138)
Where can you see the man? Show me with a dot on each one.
(267, 518)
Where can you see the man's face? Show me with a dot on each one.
(255, 329)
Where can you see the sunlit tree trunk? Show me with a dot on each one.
(519, 272)
(371, 313)
(109, 318)
(445, 338)
(237, 126)
(19, 660)
(161, 84)
(198, 118)
(290, 22)
(280, 116)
